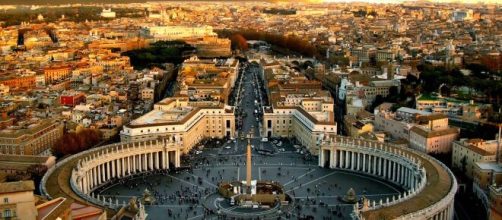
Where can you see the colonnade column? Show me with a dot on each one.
(83, 184)
(407, 174)
(150, 160)
(347, 159)
(100, 174)
(332, 156)
(393, 171)
(156, 160)
(364, 162)
(385, 168)
(94, 177)
(122, 161)
(379, 166)
(374, 165)
(113, 168)
(358, 160)
(107, 170)
(129, 165)
(353, 160)
(397, 173)
(401, 174)
(88, 180)
(143, 164)
(177, 159)
(134, 169)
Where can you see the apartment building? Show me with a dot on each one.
(431, 134)
(467, 152)
(30, 137)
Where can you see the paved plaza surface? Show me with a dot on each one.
(188, 194)
(316, 190)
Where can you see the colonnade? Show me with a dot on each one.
(399, 165)
(121, 160)
(386, 166)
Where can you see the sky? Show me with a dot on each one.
(438, 1)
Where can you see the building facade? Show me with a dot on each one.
(17, 200)
(184, 121)
(34, 137)
(467, 152)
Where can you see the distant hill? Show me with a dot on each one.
(59, 2)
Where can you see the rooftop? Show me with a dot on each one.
(19, 186)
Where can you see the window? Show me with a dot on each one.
(6, 200)
(7, 213)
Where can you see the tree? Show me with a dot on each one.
(72, 142)
(239, 42)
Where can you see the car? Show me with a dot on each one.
(279, 144)
(282, 149)
(198, 152)
(252, 146)
(264, 139)
(227, 147)
(275, 141)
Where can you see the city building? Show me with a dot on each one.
(177, 32)
(71, 98)
(299, 108)
(455, 109)
(107, 13)
(56, 73)
(356, 126)
(210, 46)
(487, 187)
(18, 201)
(30, 137)
(396, 124)
(207, 80)
(467, 152)
(187, 122)
(431, 134)
(19, 164)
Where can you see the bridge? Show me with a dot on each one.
(292, 60)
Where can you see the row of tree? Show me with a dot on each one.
(75, 142)
(291, 43)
